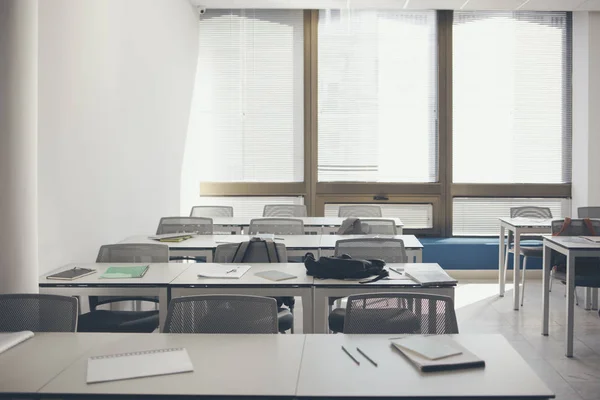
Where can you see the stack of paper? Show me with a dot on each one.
(436, 353)
(231, 271)
(8, 340)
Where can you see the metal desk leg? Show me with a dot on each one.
(516, 269)
(501, 266)
(419, 256)
(570, 303)
(320, 311)
(546, 268)
(163, 306)
(307, 310)
(594, 298)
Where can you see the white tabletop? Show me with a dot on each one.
(573, 242)
(527, 222)
(308, 221)
(328, 372)
(410, 241)
(157, 274)
(207, 242)
(234, 365)
(30, 365)
(190, 276)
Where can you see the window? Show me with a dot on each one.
(251, 206)
(479, 216)
(512, 103)
(413, 216)
(247, 119)
(377, 96)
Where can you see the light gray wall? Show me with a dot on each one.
(115, 86)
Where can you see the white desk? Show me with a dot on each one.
(224, 365)
(414, 248)
(324, 289)
(312, 225)
(154, 283)
(189, 284)
(327, 372)
(516, 227)
(571, 247)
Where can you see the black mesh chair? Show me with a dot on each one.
(588, 212)
(587, 269)
(124, 321)
(379, 226)
(211, 211)
(284, 211)
(38, 313)
(197, 225)
(276, 226)
(394, 313)
(359, 211)
(257, 253)
(529, 251)
(222, 314)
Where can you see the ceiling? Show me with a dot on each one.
(538, 5)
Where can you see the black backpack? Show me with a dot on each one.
(344, 267)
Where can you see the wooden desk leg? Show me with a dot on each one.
(501, 266)
(570, 303)
(546, 268)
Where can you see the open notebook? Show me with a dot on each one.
(11, 339)
(220, 271)
(138, 364)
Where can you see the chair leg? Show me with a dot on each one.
(551, 279)
(523, 280)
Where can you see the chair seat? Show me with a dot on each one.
(285, 320)
(394, 317)
(118, 321)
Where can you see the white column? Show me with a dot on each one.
(586, 107)
(18, 146)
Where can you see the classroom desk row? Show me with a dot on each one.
(181, 279)
(296, 245)
(312, 225)
(54, 365)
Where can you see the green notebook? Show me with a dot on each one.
(136, 271)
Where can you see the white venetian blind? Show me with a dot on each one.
(248, 206)
(512, 104)
(248, 103)
(377, 91)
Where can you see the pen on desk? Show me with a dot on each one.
(351, 356)
(366, 356)
(231, 270)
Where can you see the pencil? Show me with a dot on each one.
(351, 356)
(366, 356)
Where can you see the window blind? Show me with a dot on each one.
(479, 216)
(377, 96)
(248, 108)
(512, 102)
(248, 206)
(413, 216)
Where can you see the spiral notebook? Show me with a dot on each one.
(115, 367)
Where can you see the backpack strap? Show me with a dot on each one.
(564, 227)
(271, 251)
(382, 274)
(589, 226)
(240, 252)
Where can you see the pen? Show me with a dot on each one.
(350, 355)
(231, 270)
(366, 356)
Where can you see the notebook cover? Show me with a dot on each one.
(125, 272)
(71, 274)
(274, 275)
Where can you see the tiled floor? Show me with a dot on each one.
(480, 310)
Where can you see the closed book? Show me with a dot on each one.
(274, 275)
(125, 272)
(451, 355)
(71, 274)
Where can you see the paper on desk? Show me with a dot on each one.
(11, 339)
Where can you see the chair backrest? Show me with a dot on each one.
(588, 212)
(388, 250)
(577, 227)
(256, 253)
(285, 211)
(222, 314)
(211, 211)
(379, 226)
(530, 212)
(134, 253)
(38, 313)
(393, 313)
(198, 225)
(276, 226)
(359, 211)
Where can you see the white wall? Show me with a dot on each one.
(115, 86)
(586, 103)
